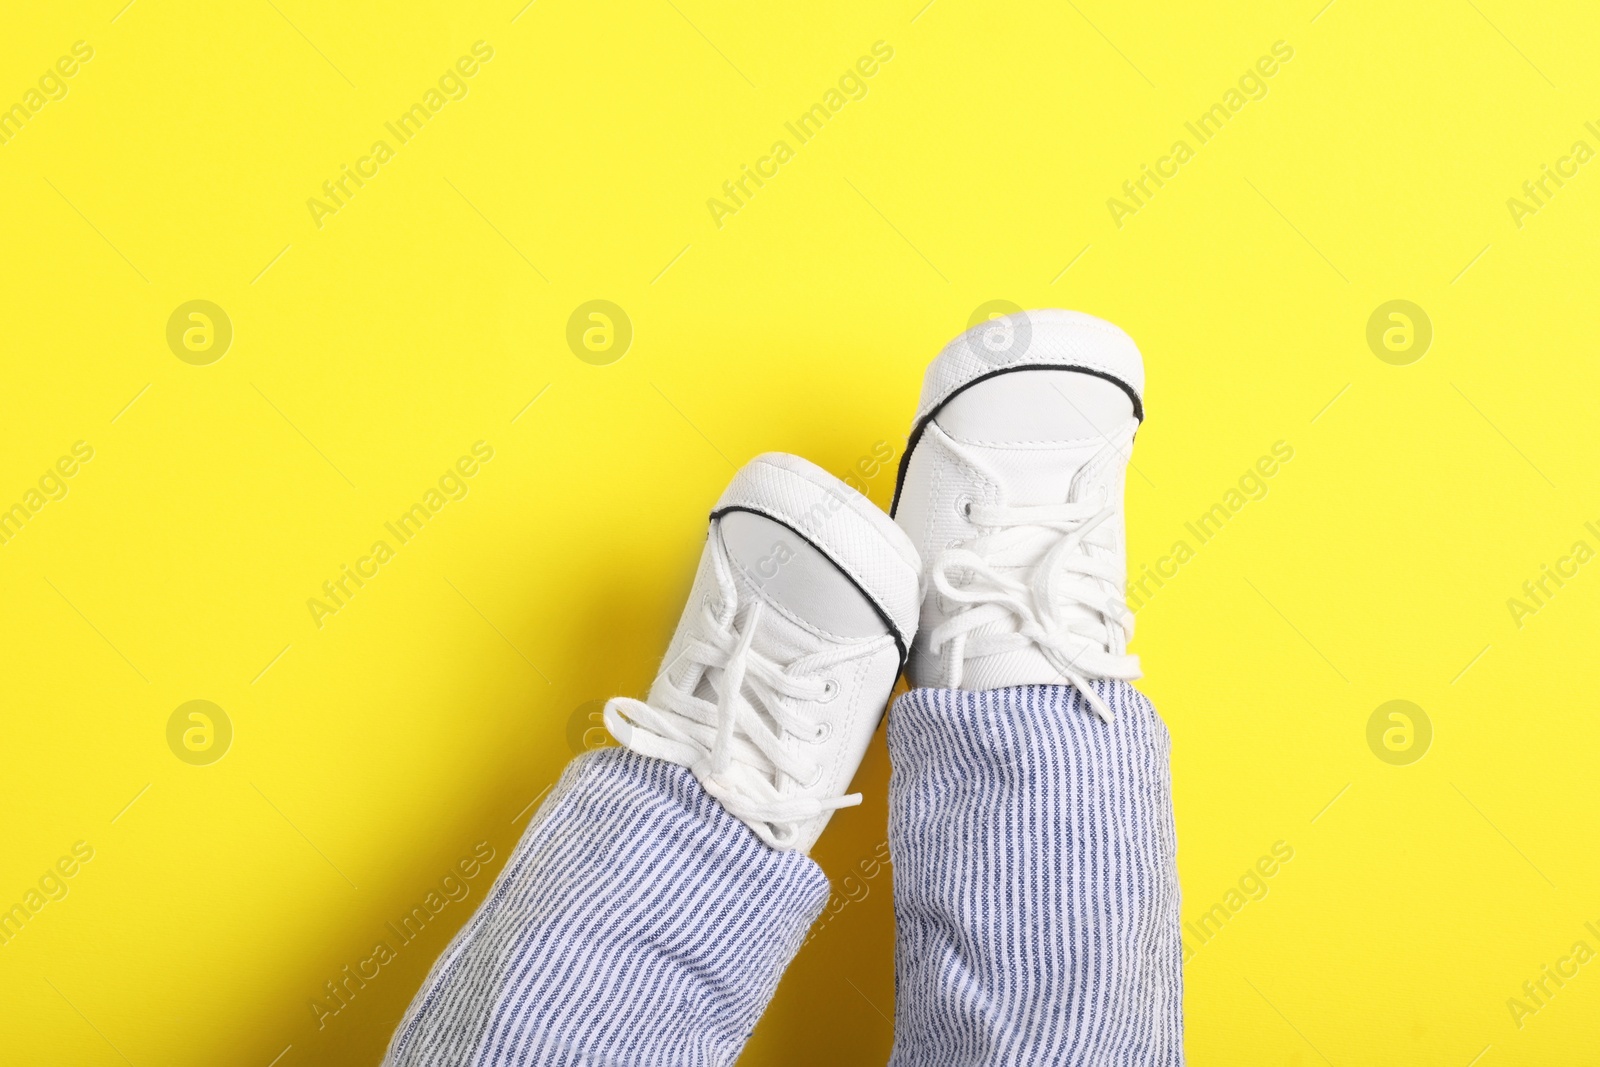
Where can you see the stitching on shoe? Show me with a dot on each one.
(1045, 363)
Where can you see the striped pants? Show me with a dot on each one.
(1035, 888)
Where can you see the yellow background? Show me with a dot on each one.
(371, 754)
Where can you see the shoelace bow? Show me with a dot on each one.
(1065, 607)
(739, 757)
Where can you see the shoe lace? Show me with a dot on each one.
(1066, 602)
(736, 744)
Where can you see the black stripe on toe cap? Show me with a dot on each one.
(922, 423)
(900, 643)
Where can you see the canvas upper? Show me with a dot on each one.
(801, 614)
(1011, 489)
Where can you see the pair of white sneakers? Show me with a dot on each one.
(1003, 564)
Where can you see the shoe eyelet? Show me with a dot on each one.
(964, 507)
(830, 689)
(823, 731)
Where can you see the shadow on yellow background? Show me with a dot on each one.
(367, 317)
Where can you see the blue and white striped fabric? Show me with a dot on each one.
(638, 923)
(1035, 880)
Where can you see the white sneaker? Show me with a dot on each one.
(1011, 490)
(798, 624)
